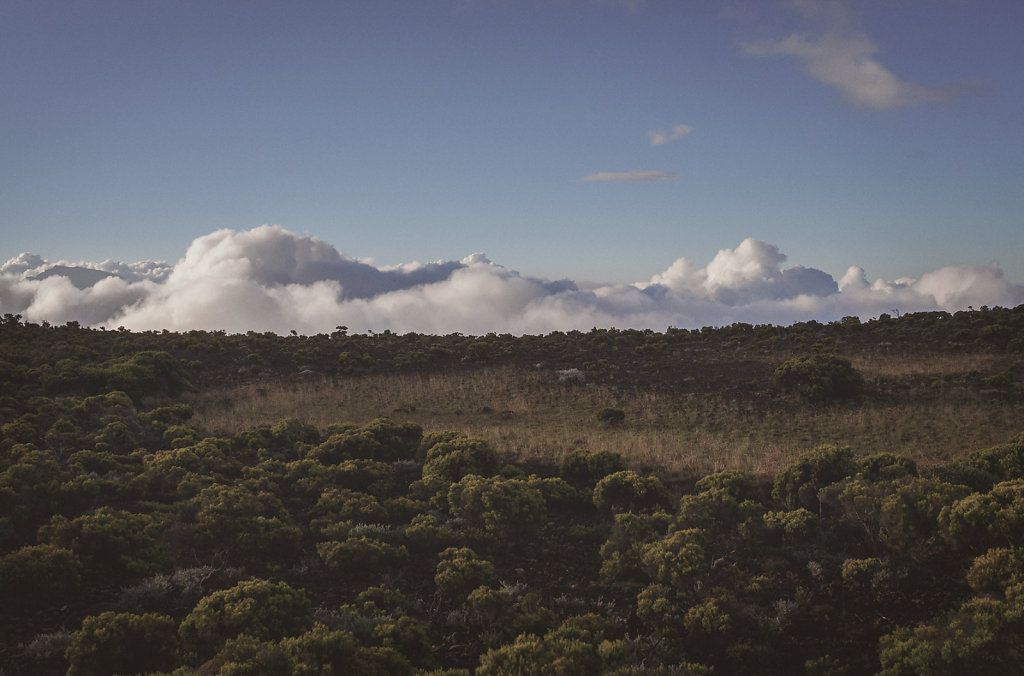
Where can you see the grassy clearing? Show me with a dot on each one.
(531, 417)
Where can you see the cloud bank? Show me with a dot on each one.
(270, 279)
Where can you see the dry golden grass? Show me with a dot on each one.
(896, 366)
(532, 418)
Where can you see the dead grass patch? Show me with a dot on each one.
(531, 417)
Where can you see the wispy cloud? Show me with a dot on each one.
(838, 55)
(660, 137)
(270, 279)
(647, 176)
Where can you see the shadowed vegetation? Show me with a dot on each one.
(840, 498)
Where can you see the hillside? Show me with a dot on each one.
(840, 498)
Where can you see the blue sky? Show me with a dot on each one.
(588, 139)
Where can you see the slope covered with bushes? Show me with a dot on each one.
(132, 540)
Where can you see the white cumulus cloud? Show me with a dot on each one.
(271, 279)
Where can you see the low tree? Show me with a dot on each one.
(821, 378)
(259, 608)
(122, 643)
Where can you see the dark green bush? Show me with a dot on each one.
(451, 460)
(622, 552)
(737, 483)
(613, 417)
(38, 575)
(559, 494)
(151, 373)
(678, 560)
(1004, 461)
(715, 509)
(399, 440)
(584, 469)
(347, 446)
(248, 656)
(573, 648)
(984, 636)
(984, 520)
(909, 518)
(627, 491)
(821, 378)
(427, 532)
(887, 467)
(123, 643)
(460, 571)
(110, 540)
(345, 505)
(260, 608)
(361, 555)
(324, 651)
(496, 505)
(248, 523)
(798, 484)
(997, 570)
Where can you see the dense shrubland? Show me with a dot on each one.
(133, 540)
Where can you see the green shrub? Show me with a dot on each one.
(860, 572)
(798, 484)
(984, 636)
(583, 469)
(820, 378)
(407, 638)
(324, 651)
(715, 509)
(572, 648)
(150, 373)
(559, 494)
(737, 483)
(792, 526)
(613, 417)
(38, 574)
(627, 491)
(678, 560)
(622, 552)
(909, 518)
(887, 467)
(1004, 461)
(347, 505)
(361, 555)
(246, 655)
(248, 522)
(996, 570)
(399, 440)
(110, 540)
(454, 459)
(369, 476)
(122, 643)
(260, 608)
(427, 533)
(496, 505)
(962, 474)
(992, 519)
(460, 571)
(347, 446)
(30, 487)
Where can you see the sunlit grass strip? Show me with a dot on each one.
(532, 418)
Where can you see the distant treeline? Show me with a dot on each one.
(71, 359)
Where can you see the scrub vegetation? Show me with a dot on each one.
(843, 498)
